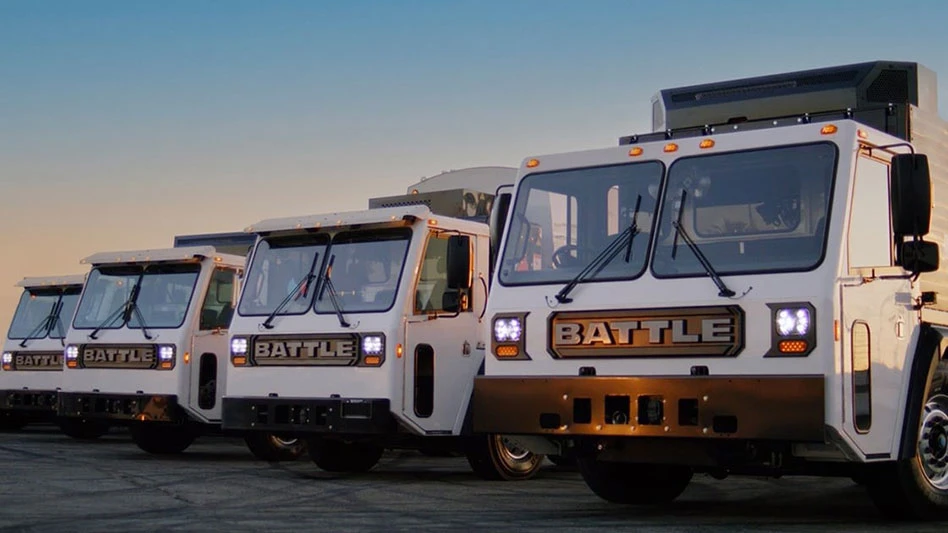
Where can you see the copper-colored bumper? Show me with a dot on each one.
(741, 407)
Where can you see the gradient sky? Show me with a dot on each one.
(125, 123)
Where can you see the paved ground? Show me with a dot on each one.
(49, 482)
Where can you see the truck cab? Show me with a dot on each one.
(148, 344)
(362, 331)
(32, 360)
(751, 288)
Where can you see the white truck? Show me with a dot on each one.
(148, 344)
(32, 360)
(752, 288)
(361, 331)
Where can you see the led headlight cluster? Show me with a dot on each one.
(71, 354)
(239, 346)
(508, 336)
(166, 356)
(793, 331)
(7, 361)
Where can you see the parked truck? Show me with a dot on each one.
(148, 344)
(361, 331)
(751, 288)
(32, 360)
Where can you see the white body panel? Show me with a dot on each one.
(187, 339)
(401, 325)
(38, 380)
(836, 292)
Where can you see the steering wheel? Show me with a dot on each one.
(565, 256)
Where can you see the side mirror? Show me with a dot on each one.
(459, 262)
(911, 195)
(919, 256)
(451, 301)
(498, 219)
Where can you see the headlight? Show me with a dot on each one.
(72, 356)
(507, 330)
(238, 346)
(792, 330)
(238, 351)
(793, 321)
(7, 361)
(165, 353)
(373, 345)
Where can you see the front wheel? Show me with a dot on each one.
(634, 484)
(497, 458)
(334, 455)
(161, 439)
(82, 429)
(275, 448)
(917, 488)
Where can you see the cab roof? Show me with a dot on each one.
(52, 281)
(186, 253)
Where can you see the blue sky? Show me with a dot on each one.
(129, 122)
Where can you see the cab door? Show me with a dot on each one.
(442, 354)
(877, 319)
(208, 359)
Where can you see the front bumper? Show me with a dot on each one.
(787, 408)
(33, 403)
(120, 407)
(363, 416)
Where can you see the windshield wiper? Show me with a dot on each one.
(333, 297)
(123, 311)
(58, 324)
(44, 325)
(304, 282)
(605, 256)
(723, 291)
(133, 308)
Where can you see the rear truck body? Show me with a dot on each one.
(361, 331)
(753, 288)
(32, 359)
(148, 344)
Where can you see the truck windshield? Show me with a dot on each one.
(563, 221)
(32, 317)
(754, 211)
(366, 270)
(279, 267)
(163, 299)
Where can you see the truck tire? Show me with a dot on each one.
(11, 422)
(917, 488)
(162, 440)
(634, 484)
(275, 448)
(495, 458)
(334, 455)
(82, 429)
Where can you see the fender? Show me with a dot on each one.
(927, 353)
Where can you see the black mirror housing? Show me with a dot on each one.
(911, 186)
(459, 262)
(498, 219)
(919, 256)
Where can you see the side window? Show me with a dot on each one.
(870, 235)
(433, 278)
(218, 306)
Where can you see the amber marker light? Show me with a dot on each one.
(637, 151)
(671, 147)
